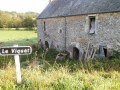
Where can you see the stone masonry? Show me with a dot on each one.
(64, 33)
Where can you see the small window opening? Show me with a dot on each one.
(44, 26)
(92, 25)
(40, 41)
(60, 31)
(103, 51)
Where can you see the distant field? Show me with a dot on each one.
(8, 38)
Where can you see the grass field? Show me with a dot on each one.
(9, 38)
(59, 78)
(67, 76)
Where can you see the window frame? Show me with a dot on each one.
(92, 21)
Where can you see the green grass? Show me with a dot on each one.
(59, 77)
(9, 38)
(49, 74)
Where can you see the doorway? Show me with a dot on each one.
(103, 50)
(75, 53)
(46, 44)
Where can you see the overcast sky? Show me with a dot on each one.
(23, 5)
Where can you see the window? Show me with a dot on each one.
(60, 31)
(44, 26)
(91, 25)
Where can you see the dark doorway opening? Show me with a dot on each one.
(46, 45)
(75, 53)
(105, 51)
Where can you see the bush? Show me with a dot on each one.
(116, 54)
(5, 60)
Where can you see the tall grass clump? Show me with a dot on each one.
(59, 79)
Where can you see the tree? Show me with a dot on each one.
(17, 20)
(28, 22)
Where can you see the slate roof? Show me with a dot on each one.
(60, 8)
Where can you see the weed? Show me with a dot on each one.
(49, 74)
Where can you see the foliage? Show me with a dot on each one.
(29, 22)
(51, 54)
(17, 20)
(59, 77)
(65, 75)
(116, 54)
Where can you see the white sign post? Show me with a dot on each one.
(16, 51)
(17, 65)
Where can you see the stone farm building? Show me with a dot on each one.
(72, 24)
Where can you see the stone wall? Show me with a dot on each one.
(54, 34)
(107, 31)
(108, 28)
